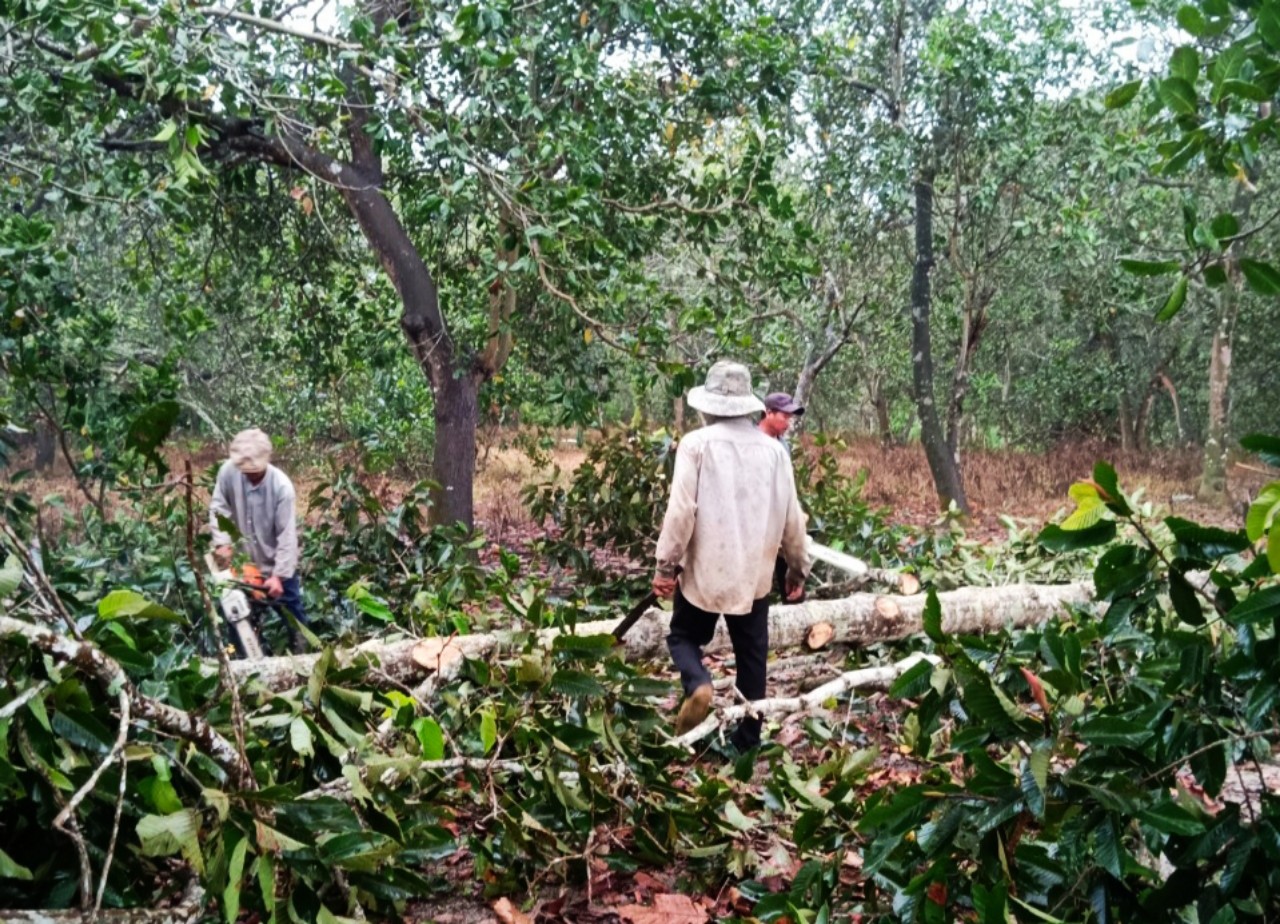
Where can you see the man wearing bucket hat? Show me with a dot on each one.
(259, 499)
(732, 507)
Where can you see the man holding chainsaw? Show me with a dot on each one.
(732, 507)
(259, 499)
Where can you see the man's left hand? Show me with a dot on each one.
(274, 586)
(795, 592)
(664, 587)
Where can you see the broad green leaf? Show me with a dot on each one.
(1178, 95)
(151, 428)
(167, 131)
(1089, 510)
(1262, 512)
(1205, 542)
(488, 731)
(1112, 731)
(430, 738)
(1056, 539)
(912, 682)
(1273, 551)
(1173, 304)
(122, 604)
(9, 869)
(1263, 278)
(165, 835)
(1035, 780)
(575, 683)
(1108, 850)
(1191, 20)
(1123, 94)
(235, 878)
(734, 816)
(1259, 606)
(1171, 818)
(300, 737)
(932, 617)
(1149, 267)
(1108, 484)
(1245, 89)
(1185, 63)
(10, 576)
(1186, 603)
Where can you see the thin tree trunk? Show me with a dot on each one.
(943, 463)
(46, 446)
(1213, 478)
(454, 462)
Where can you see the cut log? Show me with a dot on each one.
(857, 619)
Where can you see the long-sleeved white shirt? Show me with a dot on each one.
(733, 506)
(264, 513)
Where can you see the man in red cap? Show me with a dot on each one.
(779, 408)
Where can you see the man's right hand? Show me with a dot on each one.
(664, 587)
(222, 556)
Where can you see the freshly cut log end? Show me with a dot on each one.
(908, 584)
(820, 633)
(436, 654)
(886, 608)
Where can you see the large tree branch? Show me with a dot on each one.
(90, 659)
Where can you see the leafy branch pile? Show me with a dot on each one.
(1086, 771)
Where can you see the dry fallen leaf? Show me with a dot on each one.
(509, 914)
(666, 909)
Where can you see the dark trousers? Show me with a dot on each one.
(691, 628)
(291, 600)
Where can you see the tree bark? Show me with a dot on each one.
(943, 464)
(857, 619)
(1213, 478)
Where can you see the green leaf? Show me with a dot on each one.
(1056, 539)
(1149, 267)
(167, 131)
(932, 617)
(1185, 601)
(1191, 20)
(1245, 89)
(1263, 278)
(1262, 512)
(1122, 95)
(1178, 95)
(300, 737)
(1107, 848)
(10, 576)
(1185, 63)
(151, 428)
(1108, 484)
(1268, 23)
(736, 818)
(488, 731)
(165, 835)
(1205, 542)
(1266, 446)
(914, 681)
(235, 878)
(1259, 606)
(575, 683)
(1173, 304)
(128, 604)
(1112, 731)
(1035, 780)
(1170, 818)
(9, 869)
(430, 738)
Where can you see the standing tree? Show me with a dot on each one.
(498, 158)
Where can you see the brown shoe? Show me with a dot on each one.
(694, 709)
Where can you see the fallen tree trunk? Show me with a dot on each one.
(857, 619)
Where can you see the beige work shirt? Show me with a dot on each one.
(733, 506)
(265, 514)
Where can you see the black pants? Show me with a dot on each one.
(691, 628)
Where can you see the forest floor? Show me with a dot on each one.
(1027, 488)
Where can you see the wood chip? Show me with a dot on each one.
(509, 914)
